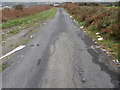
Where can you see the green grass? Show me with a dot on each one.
(109, 44)
(112, 7)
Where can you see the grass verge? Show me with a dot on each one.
(110, 45)
(16, 25)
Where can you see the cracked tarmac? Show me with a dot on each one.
(60, 56)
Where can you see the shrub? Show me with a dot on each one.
(18, 7)
(88, 21)
(94, 4)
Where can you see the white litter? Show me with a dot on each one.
(93, 47)
(81, 26)
(98, 46)
(97, 33)
(99, 36)
(16, 49)
(113, 60)
(70, 16)
(74, 21)
(100, 39)
(31, 36)
(104, 50)
(117, 61)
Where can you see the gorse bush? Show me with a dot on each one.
(100, 18)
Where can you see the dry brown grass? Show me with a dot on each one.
(8, 14)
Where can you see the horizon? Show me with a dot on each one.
(60, 1)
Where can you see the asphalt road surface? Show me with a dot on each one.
(59, 56)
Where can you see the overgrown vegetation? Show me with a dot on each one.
(18, 11)
(99, 19)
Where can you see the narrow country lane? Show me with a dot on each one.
(60, 56)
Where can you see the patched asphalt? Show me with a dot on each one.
(59, 56)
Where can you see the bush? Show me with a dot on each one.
(94, 4)
(18, 7)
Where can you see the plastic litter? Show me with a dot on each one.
(100, 39)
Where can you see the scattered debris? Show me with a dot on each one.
(32, 36)
(116, 61)
(104, 50)
(82, 27)
(98, 36)
(100, 39)
(97, 46)
(97, 33)
(93, 47)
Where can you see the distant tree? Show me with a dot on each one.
(84, 4)
(94, 4)
(18, 7)
(119, 3)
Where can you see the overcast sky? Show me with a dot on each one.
(57, 0)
